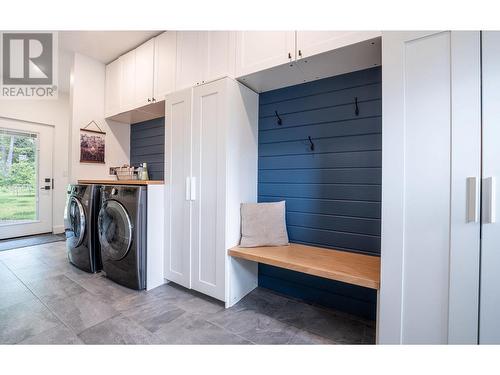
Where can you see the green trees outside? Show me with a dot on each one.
(17, 161)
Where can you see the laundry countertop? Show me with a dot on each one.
(122, 182)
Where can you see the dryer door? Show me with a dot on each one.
(115, 230)
(76, 222)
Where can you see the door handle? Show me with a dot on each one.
(193, 188)
(188, 189)
(489, 200)
(471, 215)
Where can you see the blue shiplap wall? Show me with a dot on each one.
(147, 144)
(333, 194)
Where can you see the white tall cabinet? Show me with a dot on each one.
(430, 198)
(211, 168)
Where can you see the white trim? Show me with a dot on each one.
(56, 229)
(27, 121)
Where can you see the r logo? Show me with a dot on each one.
(27, 58)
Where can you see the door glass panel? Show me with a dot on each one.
(115, 230)
(18, 177)
(76, 218)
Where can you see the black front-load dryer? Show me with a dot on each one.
(122, 234)
(80, 221)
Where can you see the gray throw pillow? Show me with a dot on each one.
(263, 224)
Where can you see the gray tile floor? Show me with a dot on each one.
(45, 300)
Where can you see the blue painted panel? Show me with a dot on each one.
(147, 145)
(333, 194)
(344, 297)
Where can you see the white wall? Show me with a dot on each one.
(87, 104)
(54, 113)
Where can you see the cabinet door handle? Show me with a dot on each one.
(289, 55)
(188, 189)
(193, 188)
(471, 216)
(489, 200)
(149, 99)
(300, 53)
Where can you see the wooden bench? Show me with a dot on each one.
(351, 268)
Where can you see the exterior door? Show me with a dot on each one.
(489, 328)
(177, 191)
(430, 176)
(208, 189)
(25, 178)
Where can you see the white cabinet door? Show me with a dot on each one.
(165, 59)
(127, 90)
(190, 62)
(177, 193)
(490, 238)
(314, 42)
(218, 53)
(144, 73)
(431, 138)
(113, 88)
(260, 50)
(208, 189)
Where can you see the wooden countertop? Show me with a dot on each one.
(122, 182)
(352, 268)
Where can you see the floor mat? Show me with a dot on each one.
(38, 239)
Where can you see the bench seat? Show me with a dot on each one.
(352, 268)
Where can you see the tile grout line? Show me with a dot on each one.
(40, 300)
(228, 331)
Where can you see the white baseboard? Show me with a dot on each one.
(56, 229)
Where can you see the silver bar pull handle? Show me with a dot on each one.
(489, 200)
(193, 188)
(471, 215)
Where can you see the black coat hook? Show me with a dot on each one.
(279, 118)
(311, 142)
(356, 111)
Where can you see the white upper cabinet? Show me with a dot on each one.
(203, 56)
(190, 64)
(144, 73)
(219, 54)
(311, 43)
(176, 60)
(165, 56)
(127, 86)
(260, 50)
(113, 85)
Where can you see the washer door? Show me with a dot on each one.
(77, 222)
(115, 230)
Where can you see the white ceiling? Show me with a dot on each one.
(104, 46)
